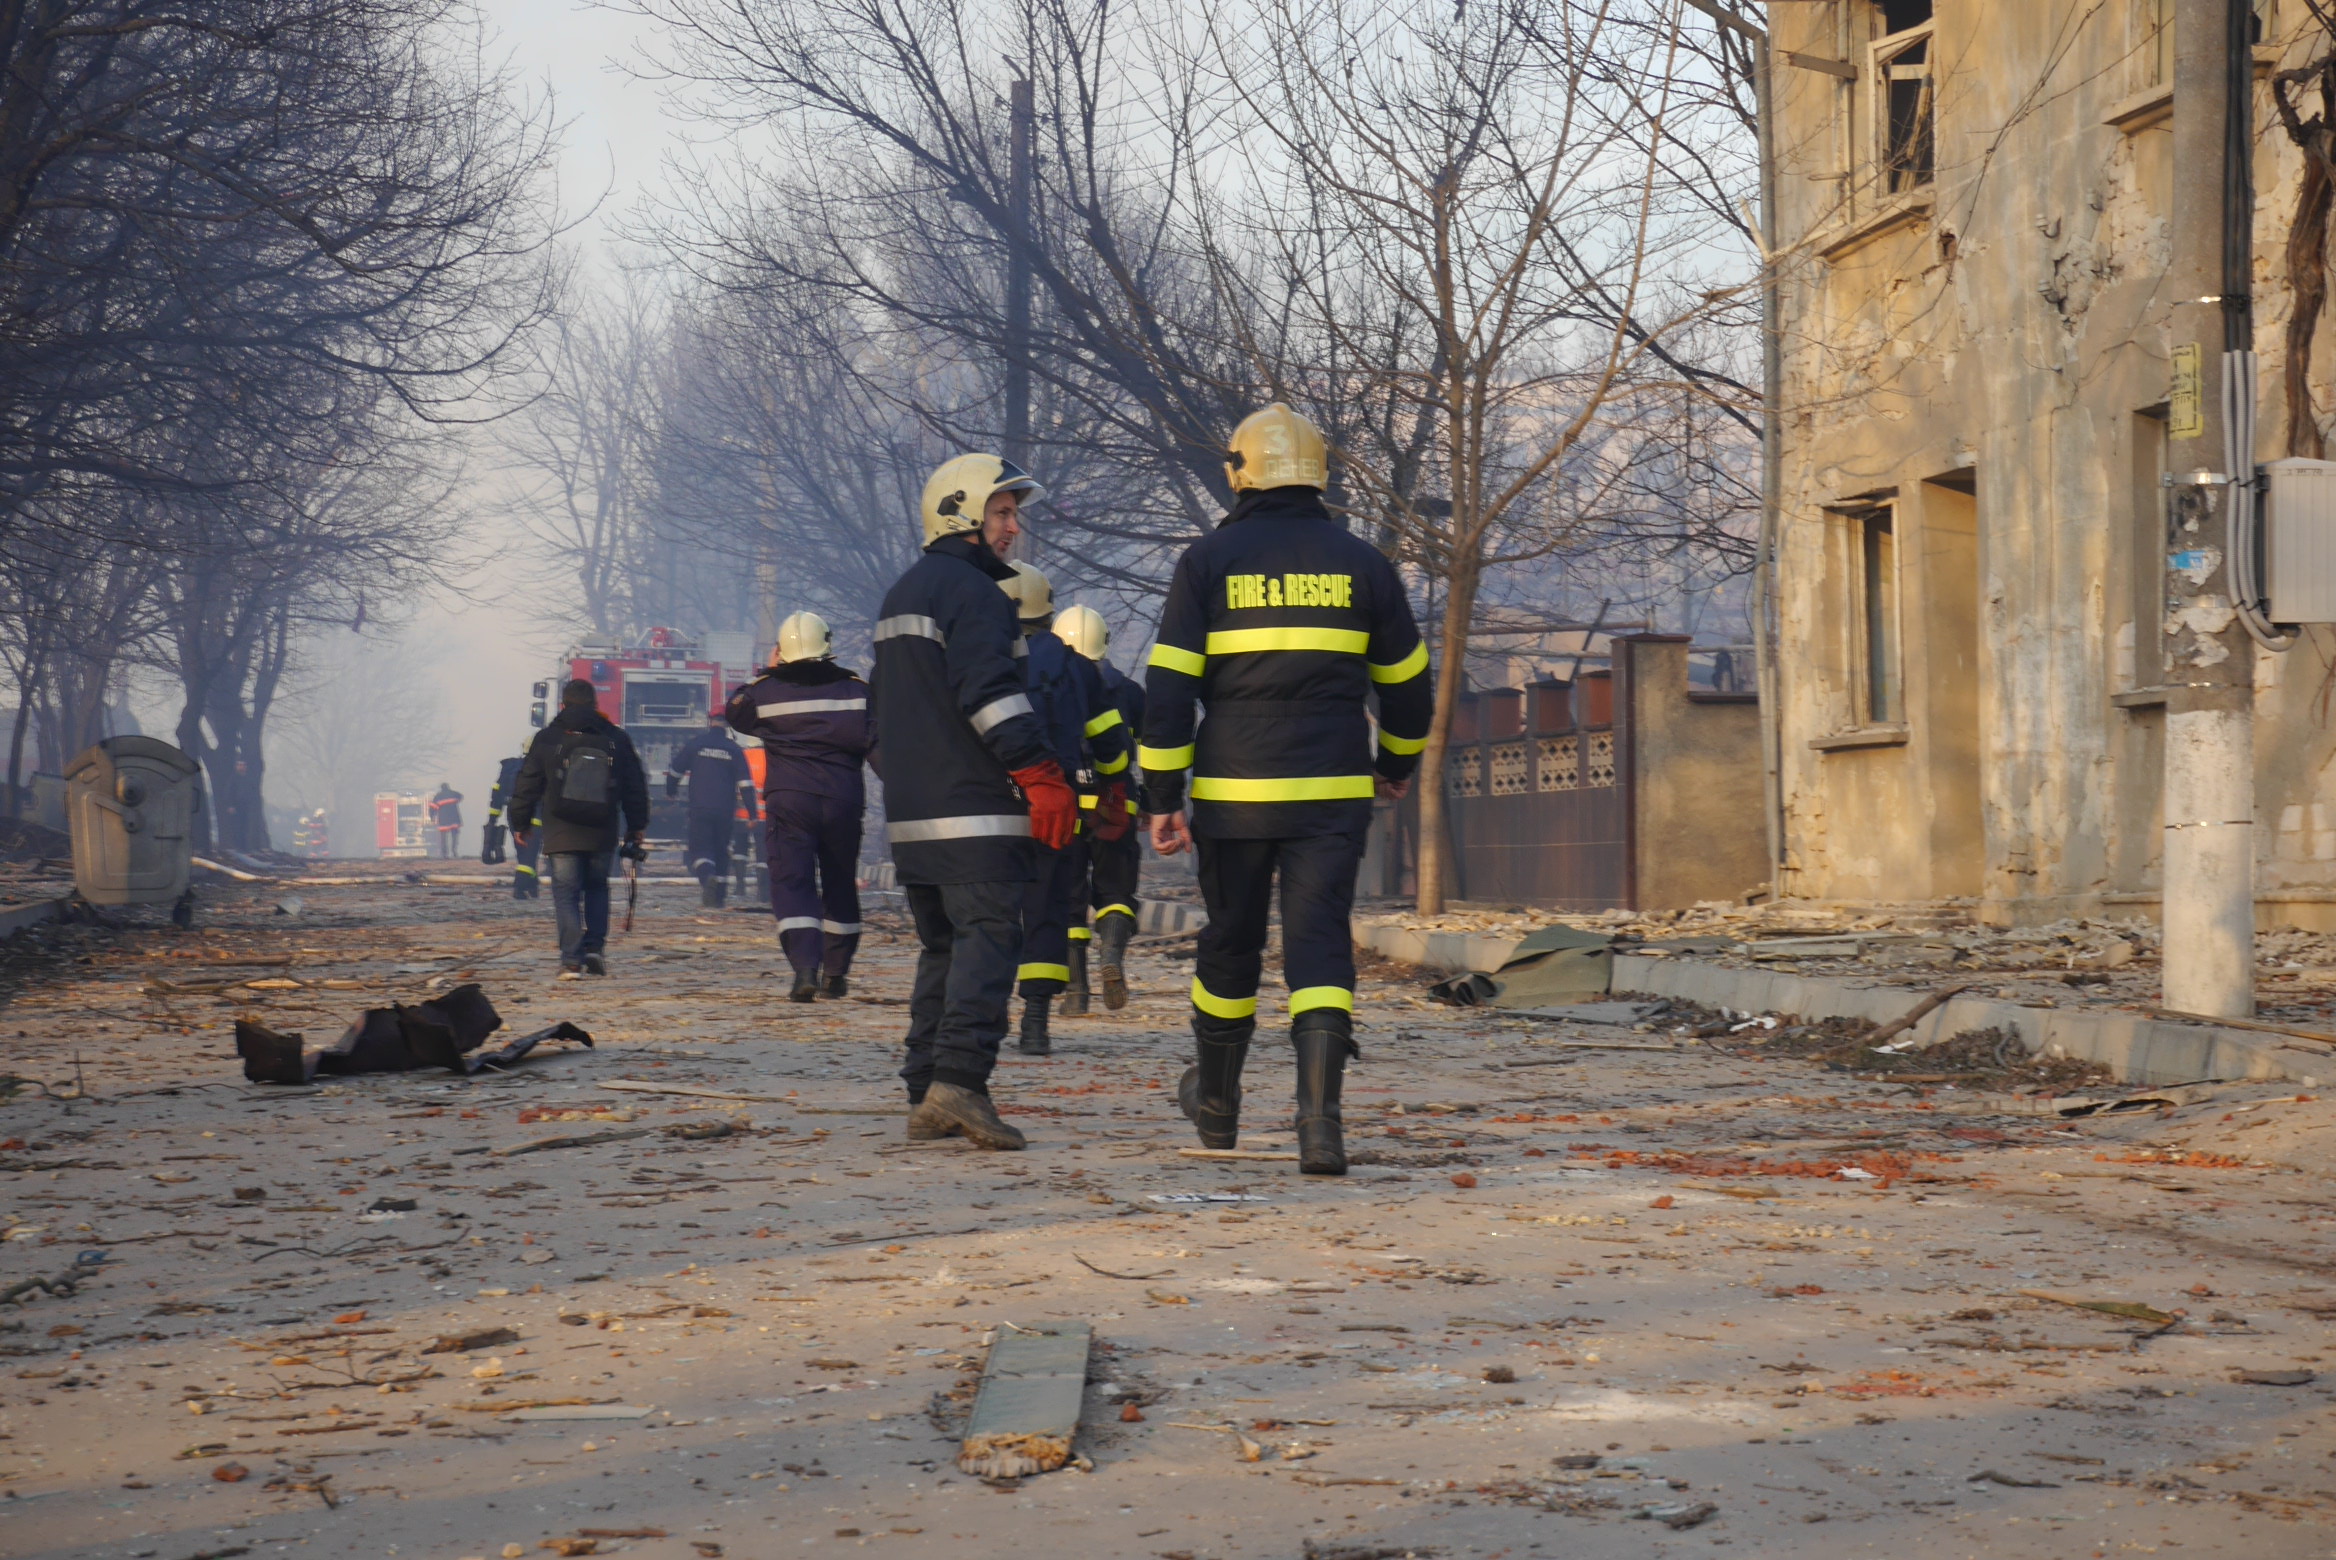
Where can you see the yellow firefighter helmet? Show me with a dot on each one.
(805, 636)
(1032, 592)
(1082, 628)
(1277, 448)
(958, 492)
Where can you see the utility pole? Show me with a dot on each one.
(2209, 859)
(1024, 121)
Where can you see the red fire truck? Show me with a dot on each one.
(660, 691)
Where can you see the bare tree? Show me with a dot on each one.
(1470, 212)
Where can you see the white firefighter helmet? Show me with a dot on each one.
(958, 492)
(1082, 628)
(1276, 448)
(805, 636)
(1033, 594)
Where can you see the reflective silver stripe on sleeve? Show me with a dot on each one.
(840, 928)
(808, 707)
(799, 923)
(909, 624)
(998, 711)
(924, 831)
(1021, 649)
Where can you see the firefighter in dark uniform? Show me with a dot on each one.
(969, 782)
(526, 843)
(1107, 891)
(719, 782)
(1093, 745)
(1280, 623)
(446, 815)
(812, 717)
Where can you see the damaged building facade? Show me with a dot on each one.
(1971, 238)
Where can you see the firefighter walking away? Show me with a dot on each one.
(969, 784)
(526, 841)
(812, 718)
(1280, 623)
(1092, 745)
(446, 817)
(1104, 898)
(719, 781)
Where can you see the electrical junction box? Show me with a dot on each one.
(2299, 540)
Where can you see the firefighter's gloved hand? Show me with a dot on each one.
(1054, 807)
(1111, 819)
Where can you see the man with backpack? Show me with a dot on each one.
(583, 779)
(1091, 742)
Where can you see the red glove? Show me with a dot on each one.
(1054, 807)
(1111, 819)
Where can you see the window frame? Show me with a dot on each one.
(1885, 69)
(1877, 619)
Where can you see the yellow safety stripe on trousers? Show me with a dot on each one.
(1081, 934)
(1246, 641)
(1404, 670)
(1395, 744)
(530, 871)
(1114, 767)
(1127, 910)
(1165, 758)
(1102, 723)
(1221, 1007)
(1190, 662)
(1298, 788)
(1307, 998)
(1088, 802)
(1061, 972)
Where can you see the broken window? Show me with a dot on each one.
(1902, 95)
(1877, 545)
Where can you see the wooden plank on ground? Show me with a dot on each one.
(1028, 1408)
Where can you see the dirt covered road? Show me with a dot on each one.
(1596, 1291)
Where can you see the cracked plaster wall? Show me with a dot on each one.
(2008, 337)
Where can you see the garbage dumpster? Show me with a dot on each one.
(130, 802)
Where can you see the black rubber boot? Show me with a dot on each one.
(721, 893)
(806, 986)
(1075, 995)
(1111, 935)
(1209, 1093)
(1035, 1040)
(1323, 1039)
(709, 893)
(835, 986)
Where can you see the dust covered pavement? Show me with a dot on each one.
(1591, 1292)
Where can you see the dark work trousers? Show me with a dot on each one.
(1111, 875)
(812, 843)
(580, 901)
(969, 938)
(450, 841)
(523, 859)
(1318, 893)
(1046, 922)
(708, 850)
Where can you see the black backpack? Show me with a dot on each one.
(583, 781)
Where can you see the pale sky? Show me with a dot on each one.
(616, 138)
